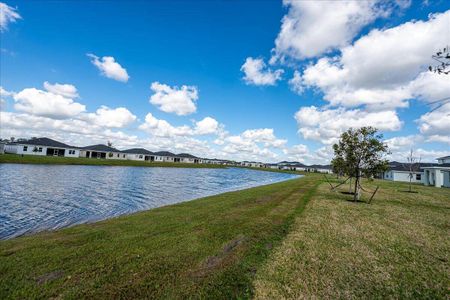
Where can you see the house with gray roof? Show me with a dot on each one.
(101, 151)
(141, 154)
(41, 146)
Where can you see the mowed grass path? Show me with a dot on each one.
(56, 160)
(397, 247)
(206, 248)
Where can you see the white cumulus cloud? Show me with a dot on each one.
(47, 104)
(326, 125)
(65, 90)
(383, 69)
(8, 15)
(257, 73)
(109, 67)
(178, 100)
(311, 28)
(111, 117)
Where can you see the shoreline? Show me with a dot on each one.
(207, 247)
(96, 220)
(50, 160)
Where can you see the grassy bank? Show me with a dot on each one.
(208, 248)
(396, 247)
(34, 159)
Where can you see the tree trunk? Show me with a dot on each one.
(350, 186)
(355, 195)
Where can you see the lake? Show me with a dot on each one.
(34, 198)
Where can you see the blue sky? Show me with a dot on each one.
(236, 64)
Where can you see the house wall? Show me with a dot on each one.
(115, 155)
(28, 150)
(11, 149)
(75, 153)
(446, 179)
(404, 176)
(132, 156)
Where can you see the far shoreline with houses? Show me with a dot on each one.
(434, 174)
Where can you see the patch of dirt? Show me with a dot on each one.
(49, 277)
(215, 261)
(264, 199)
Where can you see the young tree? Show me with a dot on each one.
(413, 166)
(337, 165)
(109, 143)
(361, 153)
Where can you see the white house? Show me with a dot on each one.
(43, 147)
(102, 151)
(141, 154)
(425, 173)
(188, 158)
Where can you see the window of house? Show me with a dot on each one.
(25, 148)
(140, 156)
(124, 156)
(40, 149)
(418, 176)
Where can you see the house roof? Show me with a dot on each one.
(405, 166)
(100, 147)
(137, 151)
(164, 153)
(328, 167)
(43, 141)
(186, 155)
(444, 157)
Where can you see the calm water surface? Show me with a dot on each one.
(45, 197)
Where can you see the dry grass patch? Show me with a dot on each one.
(396, 247)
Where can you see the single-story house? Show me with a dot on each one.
(188, 158)
(139, 154)
(41, 146)
(426, 173)
(327, 169)
(102, 151)
(166, 156)
(401, 172)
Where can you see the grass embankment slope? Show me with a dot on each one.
(396, 247)
(35, 159)
(206, 248)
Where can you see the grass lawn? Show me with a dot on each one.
(35, 159)
(397, 247)
(207, 248)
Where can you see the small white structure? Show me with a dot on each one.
(43, 147)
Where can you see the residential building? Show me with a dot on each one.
(43, 147)
(101, 151)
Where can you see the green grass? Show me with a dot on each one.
(35, 159)
(206, 248)
(398, 247)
